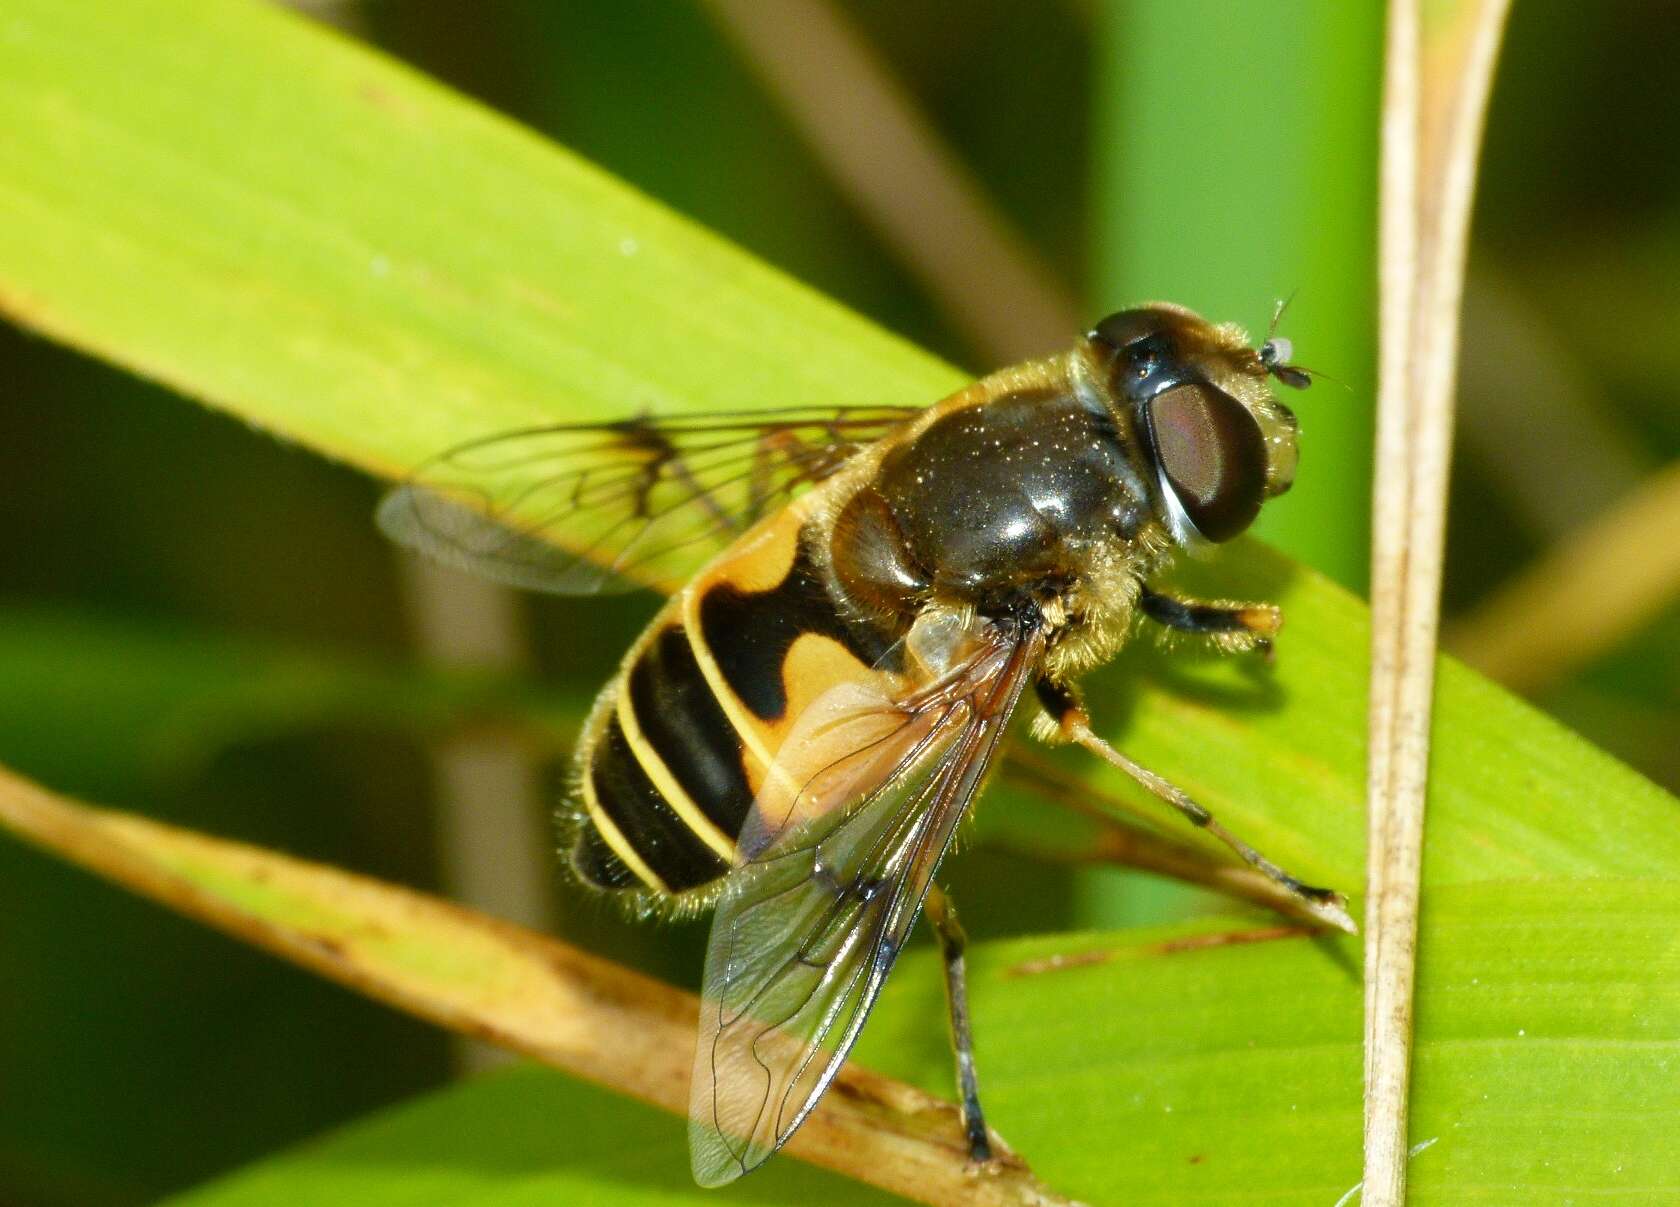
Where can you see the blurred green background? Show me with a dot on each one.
(201, 624)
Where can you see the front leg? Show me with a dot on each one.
(1232, 627)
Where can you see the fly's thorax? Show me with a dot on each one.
(1005, 491)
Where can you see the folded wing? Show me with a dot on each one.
(838, 861)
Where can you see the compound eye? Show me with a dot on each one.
(1213, 457)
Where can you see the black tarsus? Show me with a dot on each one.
(1187, 616)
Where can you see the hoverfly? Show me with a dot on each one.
(865, 596)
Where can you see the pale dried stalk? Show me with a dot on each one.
(1435, 96)
(1557, 616)
(496, 981)
(895, 168)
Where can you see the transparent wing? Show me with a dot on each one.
(592, 508)
(838, 864)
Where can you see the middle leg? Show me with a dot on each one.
(952, 945)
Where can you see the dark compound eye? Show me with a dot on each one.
(1213, 456)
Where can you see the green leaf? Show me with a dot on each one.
(325, 244)
(1183, 1068)
(225, 198)
(1130, 1077)
(522, 1136)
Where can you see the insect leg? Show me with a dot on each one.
(1233, 627)
(1065, 709)
(942, 913)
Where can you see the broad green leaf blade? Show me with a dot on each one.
(1119, 1059)
(522, 1136)
(1281, 753)
(238, 203)
(1180, 1069)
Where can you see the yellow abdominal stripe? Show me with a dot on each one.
(616, 840)
(681, 803)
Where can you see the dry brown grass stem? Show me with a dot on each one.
(892, 164)
(1435, 93)
(1558, 615)
(495, 981)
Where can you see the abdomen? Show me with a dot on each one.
(677, 746)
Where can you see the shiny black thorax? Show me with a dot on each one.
(992, 502)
